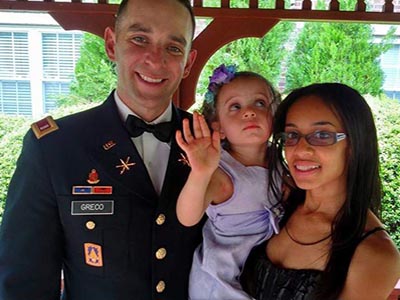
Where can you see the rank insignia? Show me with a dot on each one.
(44, 126)
(93, 177)
(93, 255)
(125, 165)
(109, 145)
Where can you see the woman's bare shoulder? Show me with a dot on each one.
(374, 269)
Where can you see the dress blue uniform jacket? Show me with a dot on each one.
(113, 236)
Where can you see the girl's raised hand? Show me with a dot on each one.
(202, 148)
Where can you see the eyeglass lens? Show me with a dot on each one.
(319, 138)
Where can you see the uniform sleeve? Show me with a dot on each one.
(30, 233)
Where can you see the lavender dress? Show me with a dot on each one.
(233, 228)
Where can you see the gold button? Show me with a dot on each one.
(160, 219)
(160, 286)
(90, 225)
(161, 253)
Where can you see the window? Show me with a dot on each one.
(15, 92)
(391, 68)
(60, 52)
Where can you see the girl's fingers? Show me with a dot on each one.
(197, 125)
(216, 139)
(186, 131)
(205, 130)
(179, 139)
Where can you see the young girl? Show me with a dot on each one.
(332, 245)
(230, 185)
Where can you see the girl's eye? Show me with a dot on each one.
(234, 107)
(260, 103)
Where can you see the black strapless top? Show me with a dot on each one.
(265, 281)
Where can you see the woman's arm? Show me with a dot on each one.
(374, 269)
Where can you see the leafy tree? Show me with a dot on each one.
(262, 55)
(338, 52)
(94, 73)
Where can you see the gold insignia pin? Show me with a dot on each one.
(109, 145)
(125, 165)
(184, 160)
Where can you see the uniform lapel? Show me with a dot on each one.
(177, 170)
(116, 155)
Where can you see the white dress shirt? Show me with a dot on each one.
(154, 153)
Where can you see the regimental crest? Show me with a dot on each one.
(93, 255)
(93, 177)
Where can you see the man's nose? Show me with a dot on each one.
(155, 55)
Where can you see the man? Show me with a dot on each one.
(93, 194)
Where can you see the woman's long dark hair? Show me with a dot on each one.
(363, 185)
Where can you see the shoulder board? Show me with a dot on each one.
(44, 127)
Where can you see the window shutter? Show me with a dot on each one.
(15, 97)
(391, 68)
(15, 93)
(60, 53)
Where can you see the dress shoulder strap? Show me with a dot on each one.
(372, 231)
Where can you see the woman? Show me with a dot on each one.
(331, 245)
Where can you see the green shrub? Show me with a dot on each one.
(387, 118)
(12, 131)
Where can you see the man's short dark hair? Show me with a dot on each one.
(185, 3)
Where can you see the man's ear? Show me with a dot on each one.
(189, 63)
(216, 126)
(109, 40)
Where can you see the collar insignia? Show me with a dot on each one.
(125, 165)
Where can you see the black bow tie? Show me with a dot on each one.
(161, 131)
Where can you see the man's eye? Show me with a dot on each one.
(139, 39)
(174, 49)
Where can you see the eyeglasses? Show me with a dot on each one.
(317, 138)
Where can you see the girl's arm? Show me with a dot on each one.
(203, 152)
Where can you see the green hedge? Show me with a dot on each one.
(387, 116)
(12, 131)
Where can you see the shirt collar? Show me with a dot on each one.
(124, 111)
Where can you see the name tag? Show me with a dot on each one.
(87, 208)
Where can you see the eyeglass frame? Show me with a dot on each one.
(338, 136)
